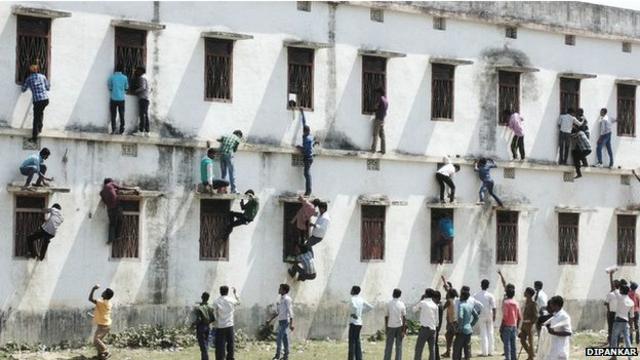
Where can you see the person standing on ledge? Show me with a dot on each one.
(207, 176)
(382, 104)
(118, 85)
(228, 146)
(308, 142)
(39, 86)
(444, 175)
(142, 92)
(605, 137)
(516, 125)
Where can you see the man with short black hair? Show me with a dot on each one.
(395, 323)
(358, 307)
(204, 316)
(540, 298)
(111, 199)
(516, 125)
(487, 318)
(604, 140)
(284, 314)
(208, 178)
(142, 92)
(529, 319)
(118, 84)
(566, 122)
(34, 165)
(308, 142)
(581, 150)
(511, 320)
(611, 303)
(382, 104)
(444, 175)
(428, 311)
(102, 319)
(39, 86)
(228, 146)
(466, 318)
(224, 307)
(249, 211)
(46, 232)
(624, 309)
(320, 226)
(304, 266)
(559, 328)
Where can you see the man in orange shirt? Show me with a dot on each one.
(102, 318)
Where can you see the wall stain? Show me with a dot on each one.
(335, 139)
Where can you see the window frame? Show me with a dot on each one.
(220, 209)
(311, 67)
(436, 214)
(364, 241)
(564, 94)
(451, 81)
(566, 224)
(19, 33)
(505, 85)
(118, 43)
(125, 199)
(619, 227)
(516, 225)
(632, 104)
(229, 56)
(32, 210)
(372, 73)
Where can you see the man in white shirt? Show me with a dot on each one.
(566, 121)
(223, 308)
(395, 322)
(53, 220)
(624, 311)
(285, 320)
(605, 137)
(320, 226)
(428, 324)
(358, 307)
(487, 318)
(541, 298)
(444, 176)
(559, 329)
(611, 303)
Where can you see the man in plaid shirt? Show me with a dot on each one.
(308, 269)
(228, 146)
(39, 86)
(581, 150)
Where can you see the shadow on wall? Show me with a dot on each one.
(418, 129)
(10, 104)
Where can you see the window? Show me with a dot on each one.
(301, 76)
(377, 15)
(374, 75)
(439, 23)
(569, 94)
(442, 91)
(570, 40)
(29, 217)
(509, 173)
(214, 220)
(373, 164)
(626, 47)
(511, 32)
(507, 237)
(447, 250)
(33, 45)
(626, 110)
(372, 232)
(568, 238)
(126, 243)
(131, 50)
(290, 233)
(626, 239)
(304, 5)
(217, 69)
(508, 94)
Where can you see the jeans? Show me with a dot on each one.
(143, 114)
(225, 342)
(604, 140)
(393, 335)
(38, 116)
(202, 334)
(282, 338)
(517, 144)
(428, 336)
(565, 141)
(378, 131)
(486, 335)
(487, 185)
(307, 175)
(635, 326)
(40, 251)
(460, 344)
(442, 180)
(508, 335)
(226, 163)
(115, 223)
(30, 171)
(119, 107)
(355, 348)
(620, 330)
(579, 159)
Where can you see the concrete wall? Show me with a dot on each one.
(41, 300)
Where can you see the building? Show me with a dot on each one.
(448, 68)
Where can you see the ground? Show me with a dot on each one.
(327, 350)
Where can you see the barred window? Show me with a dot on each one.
(569, 94)
(301, 76)
(570, 40)
(29, 217)
(218, 69)
(303, 5)
(436, 238)
(214, 220)
(131, 51)
(626, 110)
(507, 237)
(374, 75)
(33, 45)
(439, 23)
(128, 239)
(568, 238)
(377, 15)
(372, 236)
(626, 239)
(442, 91)
(290, 233)
(508, 94)
(511, 32)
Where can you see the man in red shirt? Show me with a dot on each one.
(511, 320)
(633, 295)
(109, 196)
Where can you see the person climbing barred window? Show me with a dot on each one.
(249, 211)
(228, 146)
(38, 242)
(308, 142)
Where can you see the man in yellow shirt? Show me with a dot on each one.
(102, 318)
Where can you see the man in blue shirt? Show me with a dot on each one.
(33, 165)
(307, 153)
(39, 86)
(446, 234)
(483, 167)
(118, 86)
(467, 318)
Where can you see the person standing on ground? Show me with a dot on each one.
(581, 150)
(285, 320)
(142, 92)
(624, 309)
(224, 307)
(483, 167)
(466, 319)
(249, 211)
(633, 295)
(611, 303)
(428, 311)
(444, 175)
(208, 178)
(605, 123)
(359, 306)
(118, 85)
(541, 300)
(382, 105)
(111, 199)
(34, 165)
(437, 297)
(566, 122)
(39, 86)
(395, 322)
(559, 328)
(204, 317)
(53, 220)
(511, 320)
(228, 146)
(530, 318)
(516, 125)
(102, 319)
(308, 142)
(450, 308)
(487, 318)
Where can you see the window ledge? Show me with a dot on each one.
(380, 53)
(572, 75)
(138, 193)
(632, 82)
(138, 25)
(442, 119)
(306, 44)
(225, 35)
(518, 69)
(374, 199)
(515, 207)
(39, 12)
(19, 188)
(215, 196)
(450, 61)
(290, 197)
(631, 210)
(574, 209)
(455, 205)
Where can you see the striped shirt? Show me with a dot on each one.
(39, 86)
(229, 144)
(307, 262)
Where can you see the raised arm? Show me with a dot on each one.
(93, 290)
(235, 295)
(445, 284)
(47, 84)
(504, 283)
(303, 118)
(611, 279)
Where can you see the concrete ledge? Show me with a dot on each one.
(225, 35)
(627, 211)
(374, 199)
(19, 188)
(455, 205)
(380, 53)
(632, 82)
(572, 75)
(39, 12)
(450, 61)
(306, 44)
(138, 25)
(574, 209)
(138, 193)
(519, 69)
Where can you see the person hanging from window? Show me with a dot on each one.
(34, 165)
(39, 86)
(529, 319)
(102, 319)
(581, 150)
(210, 182)
(141, 89)
(483, 167)
(444, 175)
(303, 218)
(304, 266)
(249, 211)
(516, 124)
(44, 234)
(111, 199)
(204, 317)
(228, 146)
(566, 122)
(118, 85)
(382, 104)
(308, 142)
(446, 234)
(320, 225)
(605, 123)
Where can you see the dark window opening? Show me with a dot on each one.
(508, 94)
(374, 75)
(511, 32)
(304, 5)
(127, 242)
(290, 233)
(301, 76)
(569, 94)
(442, 91)
(626, 239)
(131, 51)
(626, 110)
(29, 218)
(372, 236)
(377, 15)
(568, 238)
(218, 69)
(33, 46)
(214, 222)
(570, 40)
(507, 237)
(439, 23)
(437, 239)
